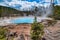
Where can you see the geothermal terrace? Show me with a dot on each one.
(7, 21)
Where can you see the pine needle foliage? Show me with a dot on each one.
(37, 30)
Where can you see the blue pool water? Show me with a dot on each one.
(22, 20)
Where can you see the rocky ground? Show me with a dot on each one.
(53, 32)
(22, 32)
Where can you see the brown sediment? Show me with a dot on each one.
(52, 31)
(21, 28)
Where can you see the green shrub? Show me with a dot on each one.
(56, 14)
(37, 30)
(3, 33)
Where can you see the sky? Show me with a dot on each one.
(27, 4)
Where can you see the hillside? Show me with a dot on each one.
(7, 11)
(56, 13)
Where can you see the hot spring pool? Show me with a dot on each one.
(22, 20)
(27, 20)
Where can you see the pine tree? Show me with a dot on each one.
(37, 30)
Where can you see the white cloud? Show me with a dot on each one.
(25, 4)
(3, 4)
(47, 0)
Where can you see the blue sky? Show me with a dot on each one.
(27, 4)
